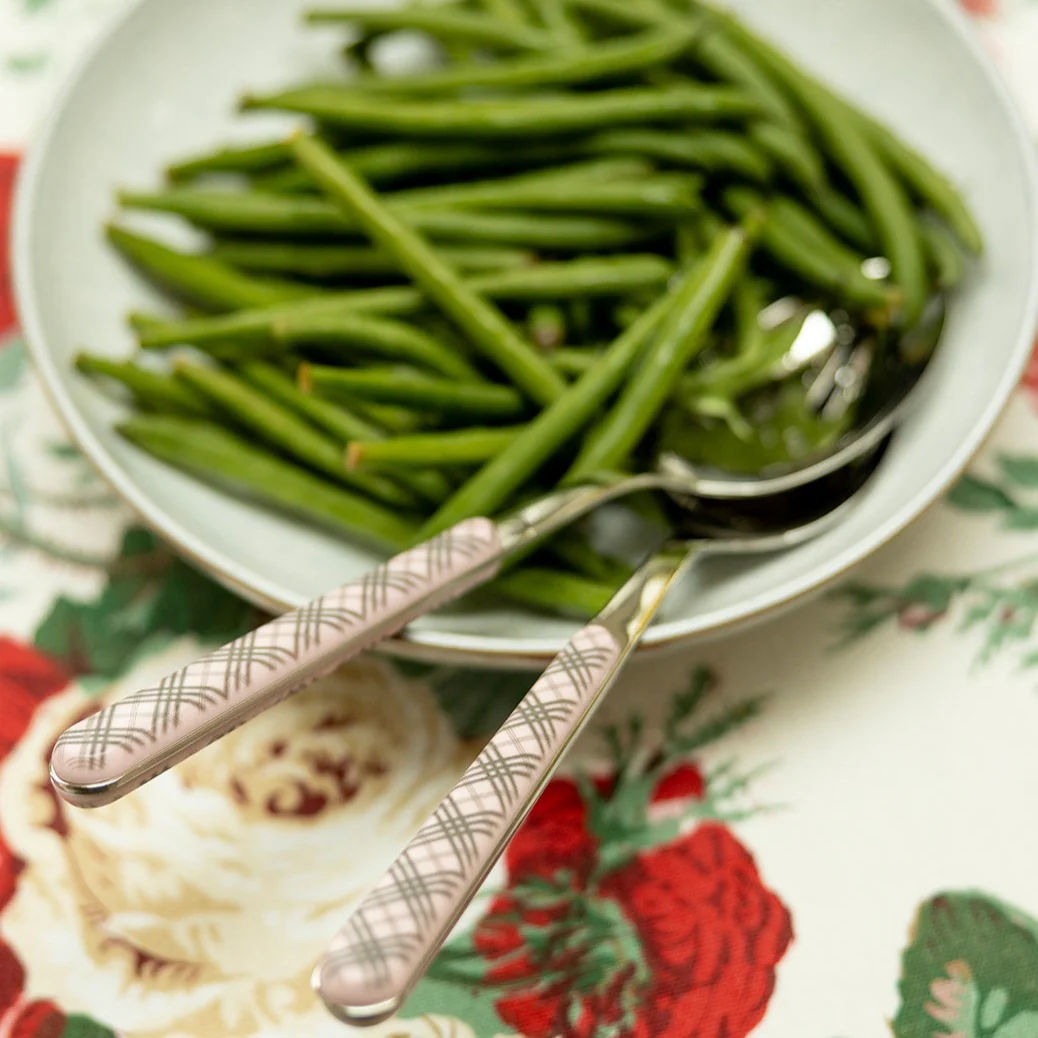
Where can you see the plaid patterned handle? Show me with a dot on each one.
(126, 744)
(393, 934)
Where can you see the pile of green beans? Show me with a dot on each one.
(535, 261)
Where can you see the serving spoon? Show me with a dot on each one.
(108, 754)
(392, 936)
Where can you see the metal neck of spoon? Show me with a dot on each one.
(556, 510)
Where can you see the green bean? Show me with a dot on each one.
(321, 261)
(581, 315)
(714, 150)
(255, 212)
(554, 591)
(530, 230)
(507, 10)
(561, 187)
(852, 150)
(800, 243)
(656, 7)
(490, 489)
(242, 159)
(753, 366)
(470, 446)
(748, 300)
(486, 327)
(574, 362)
(609, 444)
(662, 197)
(212, 453)
(609, 275)
(552, 231)
(284, 429)
(629, 15)
(885, 201)
(845, 217)
(588, 278)
(719, 55)
(394, 161)
(585, 278)
(686, 242)
(335, 419)
(382, 164)
(151, 389)
(609, 59)
(561, 168)
(712, 50)
(538, 164)
(443, 23)
(397, 421)
(791, 153)
(526, 117)
(395, 385)
(199, 279)
(391, 339)
(946, 262)
(546, 326)
(251, 212)
(557, 20)
(925, 181)
(574, 550)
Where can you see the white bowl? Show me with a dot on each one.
(163, 82)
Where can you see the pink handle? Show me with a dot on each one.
(395, 931)
(126, 744)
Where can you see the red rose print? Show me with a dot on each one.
(38, 1020)
(684, 781)
(982, 8)
(7, 315)
(677, 940)
(27, 678)
(917, 617)
(12, 977)
(711, 933)
(554, 835)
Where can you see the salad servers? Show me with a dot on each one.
(122, 746)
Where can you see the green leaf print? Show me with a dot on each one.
(1013, 495)
(1020, 469)
(150, 596)
(13, 365)
(23, 64)
(476, 701)
(454, 987)
(1000, 602)
(77, 1026)
(973, 494)
(971, 971)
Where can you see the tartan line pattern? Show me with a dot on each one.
(398, 922)
(257, 662)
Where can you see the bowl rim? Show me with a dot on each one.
(493, 650)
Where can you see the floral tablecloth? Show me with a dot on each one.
(823, 828)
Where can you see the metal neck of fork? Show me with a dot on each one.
(633, 607)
